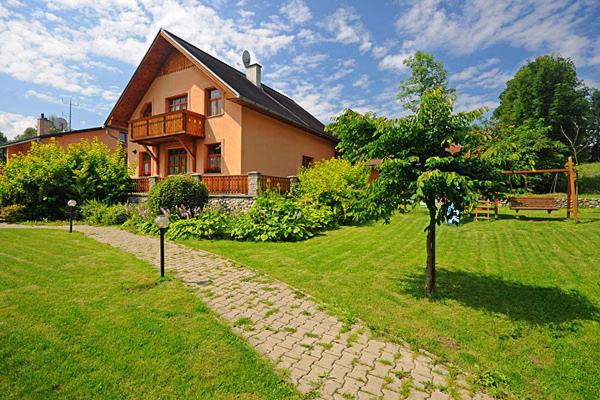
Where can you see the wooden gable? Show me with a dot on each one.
(174, 63)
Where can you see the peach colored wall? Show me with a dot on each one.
(224, 129)
(272, 147)
(100, 134)
(23, 148)
(66, 140)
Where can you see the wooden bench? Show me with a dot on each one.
(533, 203)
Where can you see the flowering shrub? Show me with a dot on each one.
(178, 194)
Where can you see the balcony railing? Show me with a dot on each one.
(183, 122)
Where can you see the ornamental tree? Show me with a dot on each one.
(433, 157)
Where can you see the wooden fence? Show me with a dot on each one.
(141, 185)
(275, 183)
(226, 184)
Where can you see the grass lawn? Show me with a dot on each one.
(518, 301)
(589, 181)
(79, 319)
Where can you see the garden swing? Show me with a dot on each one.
(547, 203)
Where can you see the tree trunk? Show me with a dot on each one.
(430, 269)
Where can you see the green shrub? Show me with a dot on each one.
(13, 213)
(208, 225)
(179, 195)
(333, 183)
(47, 177)
(142, 225)
(276, 218)
(99, 213)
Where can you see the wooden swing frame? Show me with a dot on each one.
(572, 203)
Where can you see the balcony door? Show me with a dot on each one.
(177, 162)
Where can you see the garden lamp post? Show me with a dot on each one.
(71, 204)
(162, 221)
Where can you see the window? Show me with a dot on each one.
(123, 138)
(213, 161)
(177, 162)
(147, 110)
(307, 161)
(145, 164)
(215, 102)
(177, 103)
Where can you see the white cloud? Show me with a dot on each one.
(296, 11)
(43, 96)
(394, 62)
(470, 25)
(14, 124)
(485, 75)
(347, 28)
(470, 102)
(362, 82)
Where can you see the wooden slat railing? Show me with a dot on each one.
(226, 184)
(275, 183)
(141, 185)
(172, 123)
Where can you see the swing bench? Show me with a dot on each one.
(547, 203)
(533, 203)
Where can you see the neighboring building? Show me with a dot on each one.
(109, 137)
(186, 112)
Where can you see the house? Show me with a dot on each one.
(109, 137)
(186, 112)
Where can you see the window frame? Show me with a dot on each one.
(168, 102)
(207, 168)
(142, 163)
(307, 161)
(145, 108)
(209, 102)
(181, 151)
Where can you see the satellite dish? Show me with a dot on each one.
(246, 58)
(61, 124)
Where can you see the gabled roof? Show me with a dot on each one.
(264, 99)
(51, 135)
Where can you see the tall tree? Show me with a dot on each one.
(546, 89)
(427, 74)
(418, 166)
(594, 124)
(28, 133)
(3, 140)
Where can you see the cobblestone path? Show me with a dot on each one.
(319, 353)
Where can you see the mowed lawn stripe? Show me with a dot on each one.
(79, 319)
(518, 299)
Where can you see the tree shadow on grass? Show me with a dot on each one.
(537, 305)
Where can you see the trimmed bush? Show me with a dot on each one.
(178, 195)
(334, 183)
(99, 213)
(13, 213)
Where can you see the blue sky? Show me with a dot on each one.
(326, 55)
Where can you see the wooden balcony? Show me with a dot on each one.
(162, 127)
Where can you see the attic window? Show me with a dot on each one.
(177, 103)
(147, 110)
(215, 102)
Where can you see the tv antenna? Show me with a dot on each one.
(71, 105)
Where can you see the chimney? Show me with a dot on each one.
(253, 73)
(43, 125)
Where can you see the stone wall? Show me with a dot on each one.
(593, 202)
(231, 203)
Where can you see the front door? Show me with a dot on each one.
(177, 162)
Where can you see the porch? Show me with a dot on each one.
(250, 185)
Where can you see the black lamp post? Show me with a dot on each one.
(162, 221)
(71, 204)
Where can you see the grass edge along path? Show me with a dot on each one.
(80, 319)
